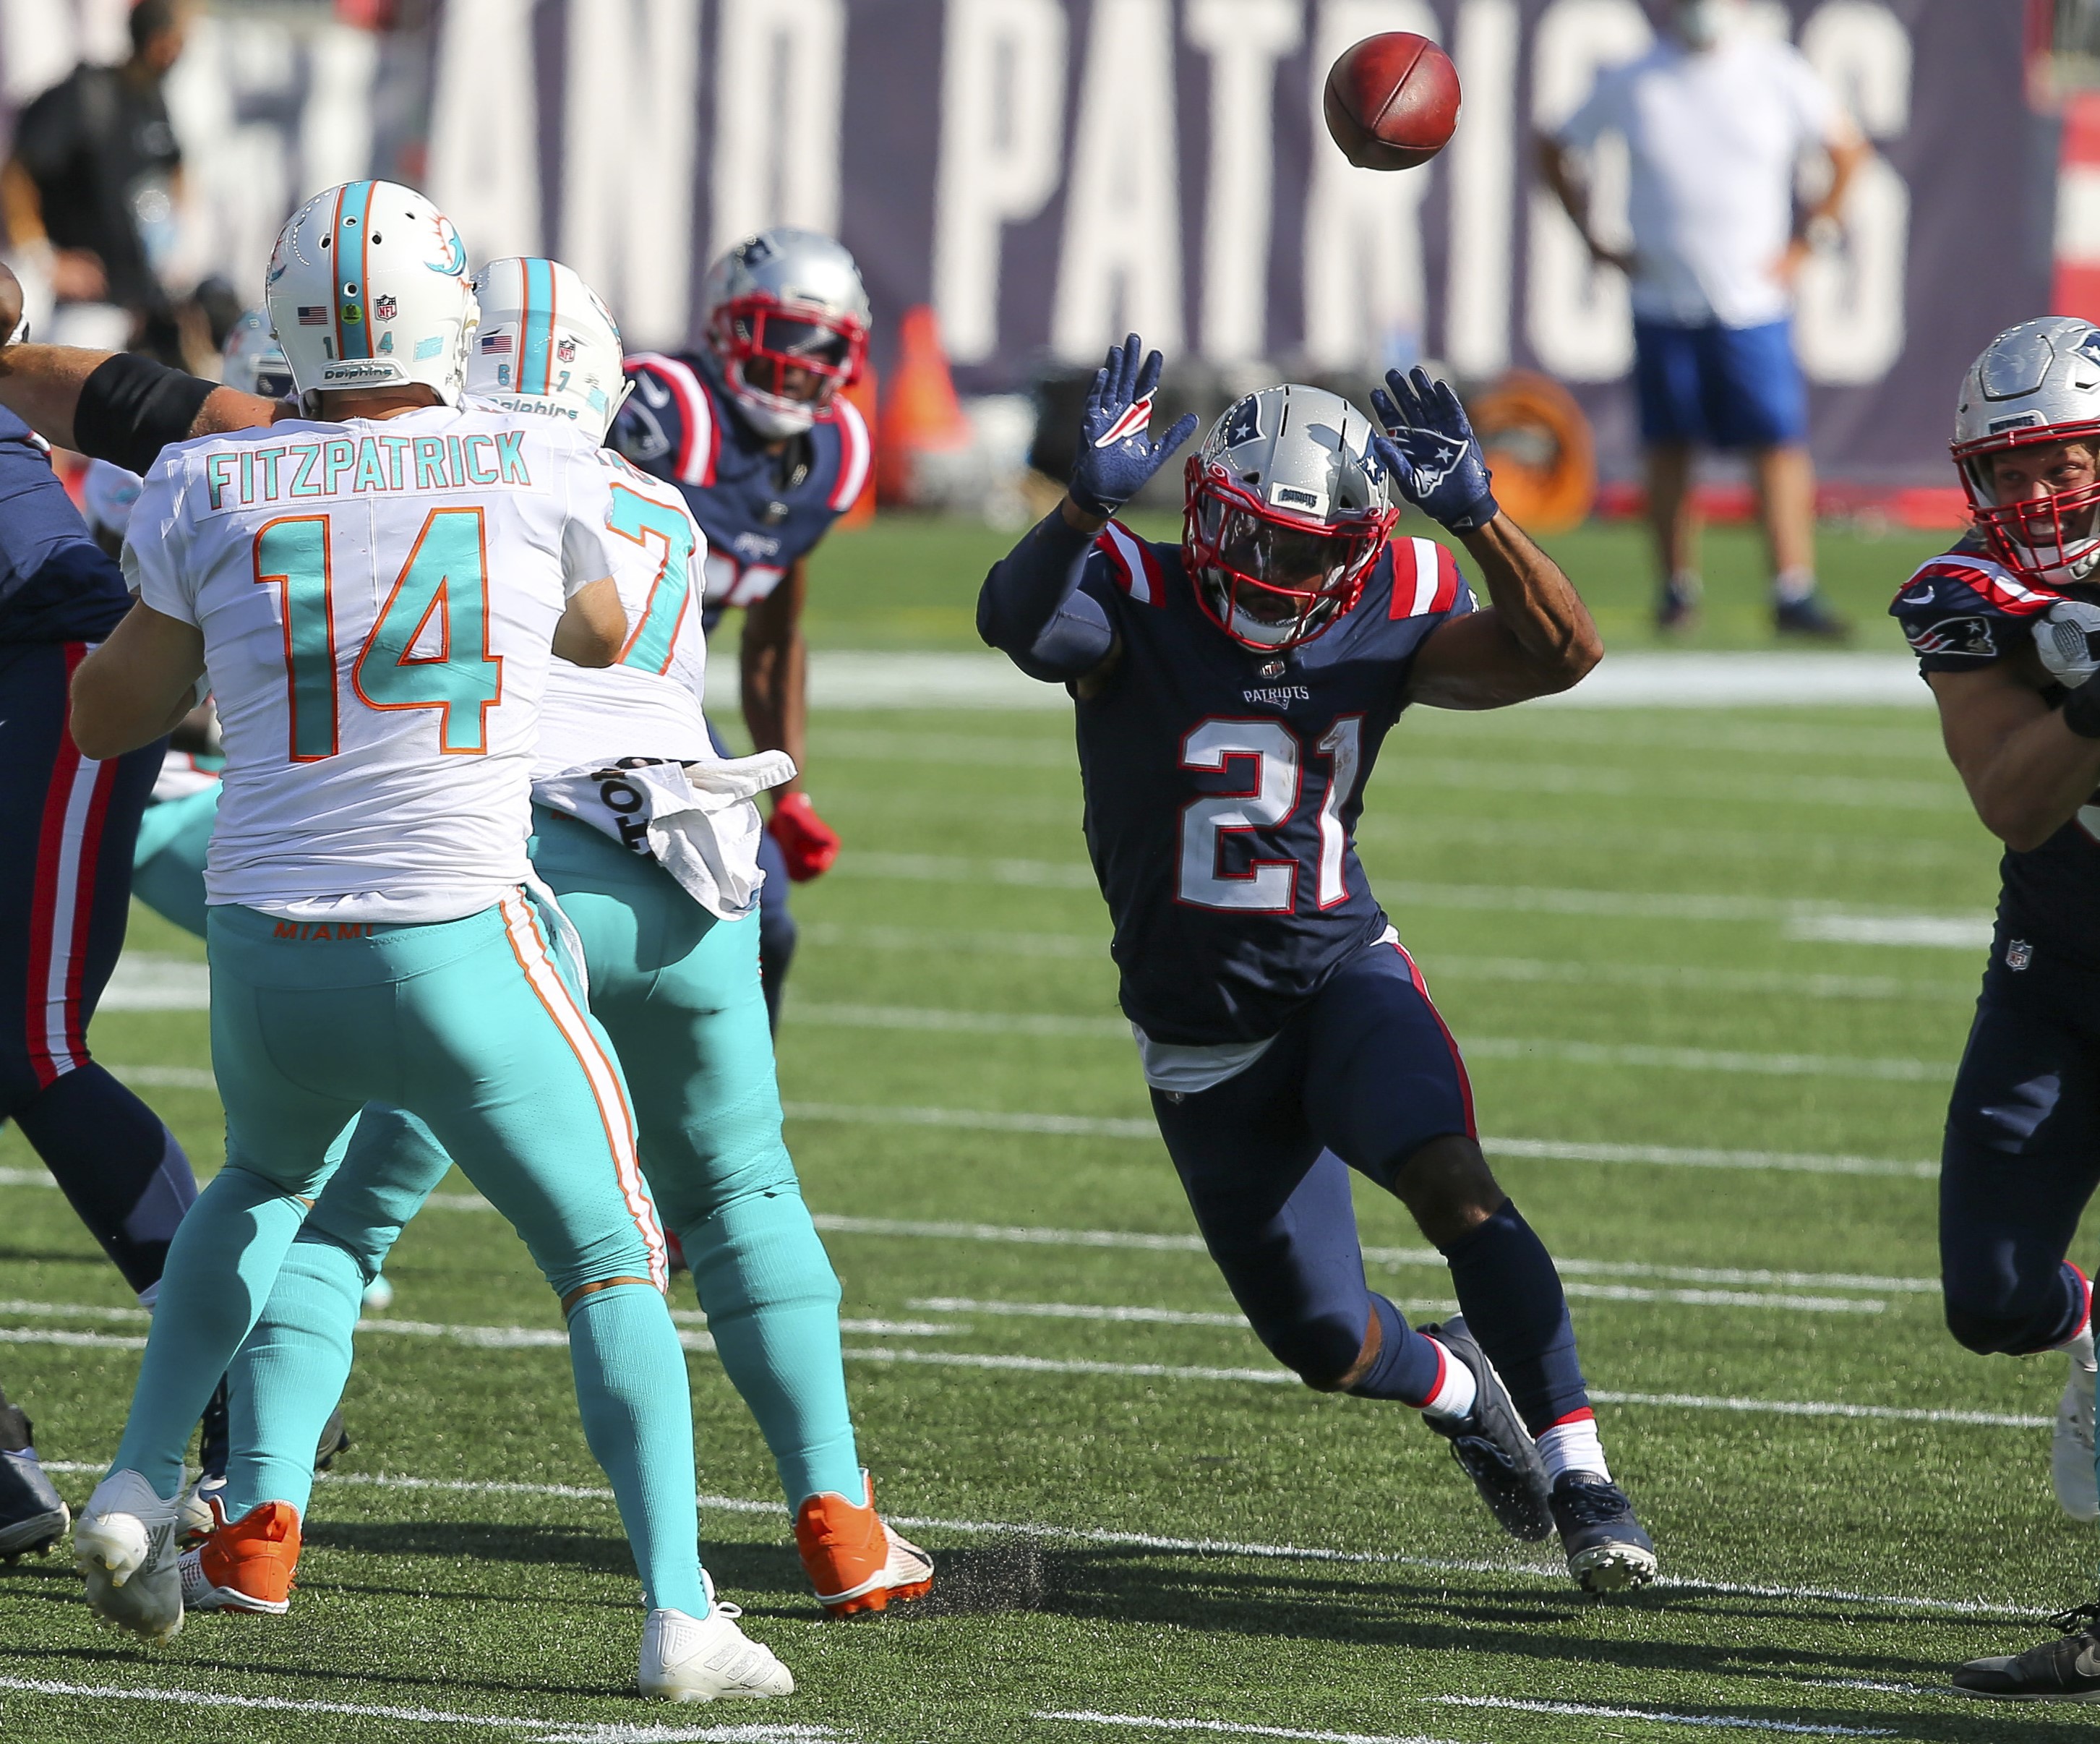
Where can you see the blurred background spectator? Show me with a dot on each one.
(91, 188)
(1716, 120)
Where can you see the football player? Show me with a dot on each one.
(756, 432)
(376, 591)
(67, 825)
(2006, 628)
(1232, 693)
(692, 1026)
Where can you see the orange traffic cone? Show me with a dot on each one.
(921, 414)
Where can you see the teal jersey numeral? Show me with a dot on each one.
(291, 556)
(637, 517)
(430, 647)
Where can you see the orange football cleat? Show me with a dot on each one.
(245, 1564)
(854, 1559)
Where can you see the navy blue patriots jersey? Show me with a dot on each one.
(56, 584)
(761, 511)
(1960, 612)
(1223, 784)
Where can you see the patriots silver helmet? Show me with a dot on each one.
(1287, 512)
(2035, 386)
(786, 318)
(253, 361)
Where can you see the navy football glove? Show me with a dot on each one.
(1431, 451)
(1115, 458)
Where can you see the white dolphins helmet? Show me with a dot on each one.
(107, 495)
(254, 362)
(1285, 515)
(2034, 385)
(785, 299)
(547, 344)
(367, 288)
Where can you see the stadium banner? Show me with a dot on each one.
(1046, 174)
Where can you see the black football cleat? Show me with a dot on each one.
(1492, 1445)
(335, 1439)
(33, 1518)
(2064, 1669)
(1606, 1550)
(1809, 618)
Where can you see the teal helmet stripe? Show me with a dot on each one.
(535, 329)
(352, 232)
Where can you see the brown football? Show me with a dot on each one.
(1391, 101)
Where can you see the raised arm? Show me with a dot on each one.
(1535, 636)
(1030, 606)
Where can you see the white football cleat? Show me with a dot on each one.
(2071, 1449)
(202, 1514)
(686, 1659)
(124, 1546)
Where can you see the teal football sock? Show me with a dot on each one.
(772, 1302)
(221, 1266)
(289, 1375)
(622, 1343)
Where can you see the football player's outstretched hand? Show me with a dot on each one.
(1431, 451)
(1115, 455)
(807, 843)
(2067, 638)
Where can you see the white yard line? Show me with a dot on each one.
(538, 1729)
(1252, 1551)
(1236, 1729)
(145, 981)
(1661, 1717)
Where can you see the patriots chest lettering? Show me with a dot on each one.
(1270, 765)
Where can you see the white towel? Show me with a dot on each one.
(696, 820)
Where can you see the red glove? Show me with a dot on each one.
(809, 844)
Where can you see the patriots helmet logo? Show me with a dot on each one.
(1244, 425)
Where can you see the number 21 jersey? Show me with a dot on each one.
(1223, 784)
(378, 599)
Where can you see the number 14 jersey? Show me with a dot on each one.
(377, 600)
(1223, 784)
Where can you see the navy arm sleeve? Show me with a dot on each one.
(132, 407)
(1032, 610)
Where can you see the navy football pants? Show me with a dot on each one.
(2020, 1157)
(66, 825)
(1361, 1077)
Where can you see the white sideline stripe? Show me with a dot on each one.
(1238, 1729)
(919, 938)
(1661, 1717)
(985, 1023)
(1689, 979)
(1256, 1552)
(1673, 1156)
(169, 1077)
(1925, 932)
(973, 1119)
(144, 982)
(542, 1731)
(1807, 1305)
(1822, 1408)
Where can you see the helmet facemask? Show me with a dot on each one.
(2051, 540)
(1269, 579)
(784, 361)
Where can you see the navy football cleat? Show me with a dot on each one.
(1811, 619)
(2066, 1670)
(1492, 1445)
(1606, 1550)
(33, 1518)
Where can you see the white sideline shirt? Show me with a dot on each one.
(1714, 137)
(647, 704)
(377, 771)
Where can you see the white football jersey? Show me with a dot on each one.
(647, 704)
(376, 599)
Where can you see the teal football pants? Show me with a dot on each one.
(678, 991)
(472, 1025)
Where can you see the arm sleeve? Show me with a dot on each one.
(1031, 608)
(130, 408)
(151, 570)
(590, 549)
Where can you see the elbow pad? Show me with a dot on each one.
(130, 408)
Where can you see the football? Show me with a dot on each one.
(1391, 101)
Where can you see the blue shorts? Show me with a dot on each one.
(1726, 387)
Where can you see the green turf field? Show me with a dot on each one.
(1714, 1097)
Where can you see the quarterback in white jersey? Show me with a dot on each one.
(377, 596)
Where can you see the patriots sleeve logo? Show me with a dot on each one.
(1969, 636)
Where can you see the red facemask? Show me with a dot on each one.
(761, 339)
